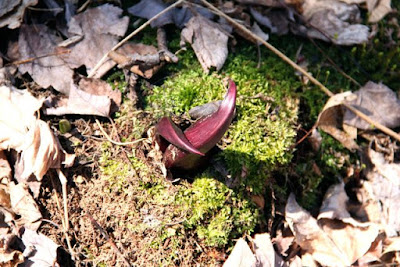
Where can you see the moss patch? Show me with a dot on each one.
(263, 131)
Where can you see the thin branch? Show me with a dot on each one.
(116, 142)
(144, 25)
(24, 61)
(302, 71)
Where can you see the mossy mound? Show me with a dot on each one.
(262, 133)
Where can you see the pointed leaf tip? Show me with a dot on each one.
(168, 130)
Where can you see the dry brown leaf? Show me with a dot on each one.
(23, 204)
(101, 88)
(377, 101)
(374, 252)
(241, 255)
(38, 40)
(101, 27)
(38, 149)
(12, 12)
(330, 118)
(264, 251)
(283, 240)
(40, 250)
(10, 259)
(378, 9)
(380, 194)
(332, 21)
(315, 140)
(352, 240)
(5, 169)
(296, 262)
(392, 244)
(7, 6)
(311, 237)
(209, 42)
(308, 260)
(329, 241)
(276, 19)
(334, 206)
(17, 112)
(79, 102)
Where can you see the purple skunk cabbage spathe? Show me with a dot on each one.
(185, 150)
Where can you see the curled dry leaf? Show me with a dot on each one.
(311, 237)
(37, 148)
(209, 42)
(330, 118)
(328, 240)
(275, 19)
(13, 258)
(377, 101)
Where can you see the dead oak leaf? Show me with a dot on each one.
(36, 41)
(12, 12)
(79, 102)
(380, 194)
(378, 102)
(37, 147)
(334, 206)
(241, 255)
(23, 204)
(328, 241)
(333, 21)
(209, 42)
(330, 120)
(101, 27)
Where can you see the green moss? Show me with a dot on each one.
(215, 212)
(262, 133)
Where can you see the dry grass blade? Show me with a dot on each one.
(107, 237)
(116, 142)
(144, 25)
(301, 70)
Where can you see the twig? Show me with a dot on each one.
(144, 25)
(107, 237)
(19, 62)
(302, 71)
(64, 224)
(117, 142)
